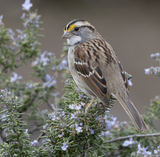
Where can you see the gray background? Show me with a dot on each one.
(132, 27)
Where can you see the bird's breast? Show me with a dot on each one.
(77, 78)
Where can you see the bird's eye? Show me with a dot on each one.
(76, 29)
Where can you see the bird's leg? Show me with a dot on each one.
(104, 107)
(89, 104)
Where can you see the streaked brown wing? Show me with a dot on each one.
(93, 79)
(93, 75)
(87, 65)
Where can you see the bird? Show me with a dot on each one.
(96, 69)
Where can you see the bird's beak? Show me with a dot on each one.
(66, 34)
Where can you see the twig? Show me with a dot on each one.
(21, 58)
(48, 103)
(35, 128)
(30, 103)
(39, 137)
(52, 78)
(131, 136)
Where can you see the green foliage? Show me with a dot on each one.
(17, 139)
(76, 125)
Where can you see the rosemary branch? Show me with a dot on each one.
(132, 136)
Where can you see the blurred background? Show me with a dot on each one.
(132, 27)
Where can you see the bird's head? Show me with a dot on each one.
(78, 31)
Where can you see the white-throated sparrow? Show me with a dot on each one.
(96, 68)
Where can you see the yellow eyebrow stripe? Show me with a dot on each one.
(71, 27)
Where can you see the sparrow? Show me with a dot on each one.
(96, 69)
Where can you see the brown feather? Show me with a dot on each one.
(132, 113)
(90, 72)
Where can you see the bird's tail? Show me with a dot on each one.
(132, 113)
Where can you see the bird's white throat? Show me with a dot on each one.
(74, 40)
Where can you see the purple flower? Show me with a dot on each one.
(11, 34)
(106, 117)
(34, 143)
(110, 123)
(125, 123)
(44, 59)
(78, 129)
(76, 107)
(71, 106)
(34, 63)
(81, 124)
(27, 5)
(146, 153)
(91, 131)
(1, 17)
(72, 116)
(156, 70)
(108, 110)
(15, 77)
(139, 148)
(147, 71)
(19, 31)
(99, 119)
(48, 82)
(29, 85)
(105, 134)
(54, 68)
(155, 152)
(128, 142)
(26, 130)
(46, 140)
(65, 146)
(63, 64)
(23, 16)
(45, 127)
(52, 116)
(4, 117)
(83, 104)
(108, 127)
(114, 120)
(157, 54)
(63, 113)
(143, 151)
(152, 55)
(81, 96)
(61, 135)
